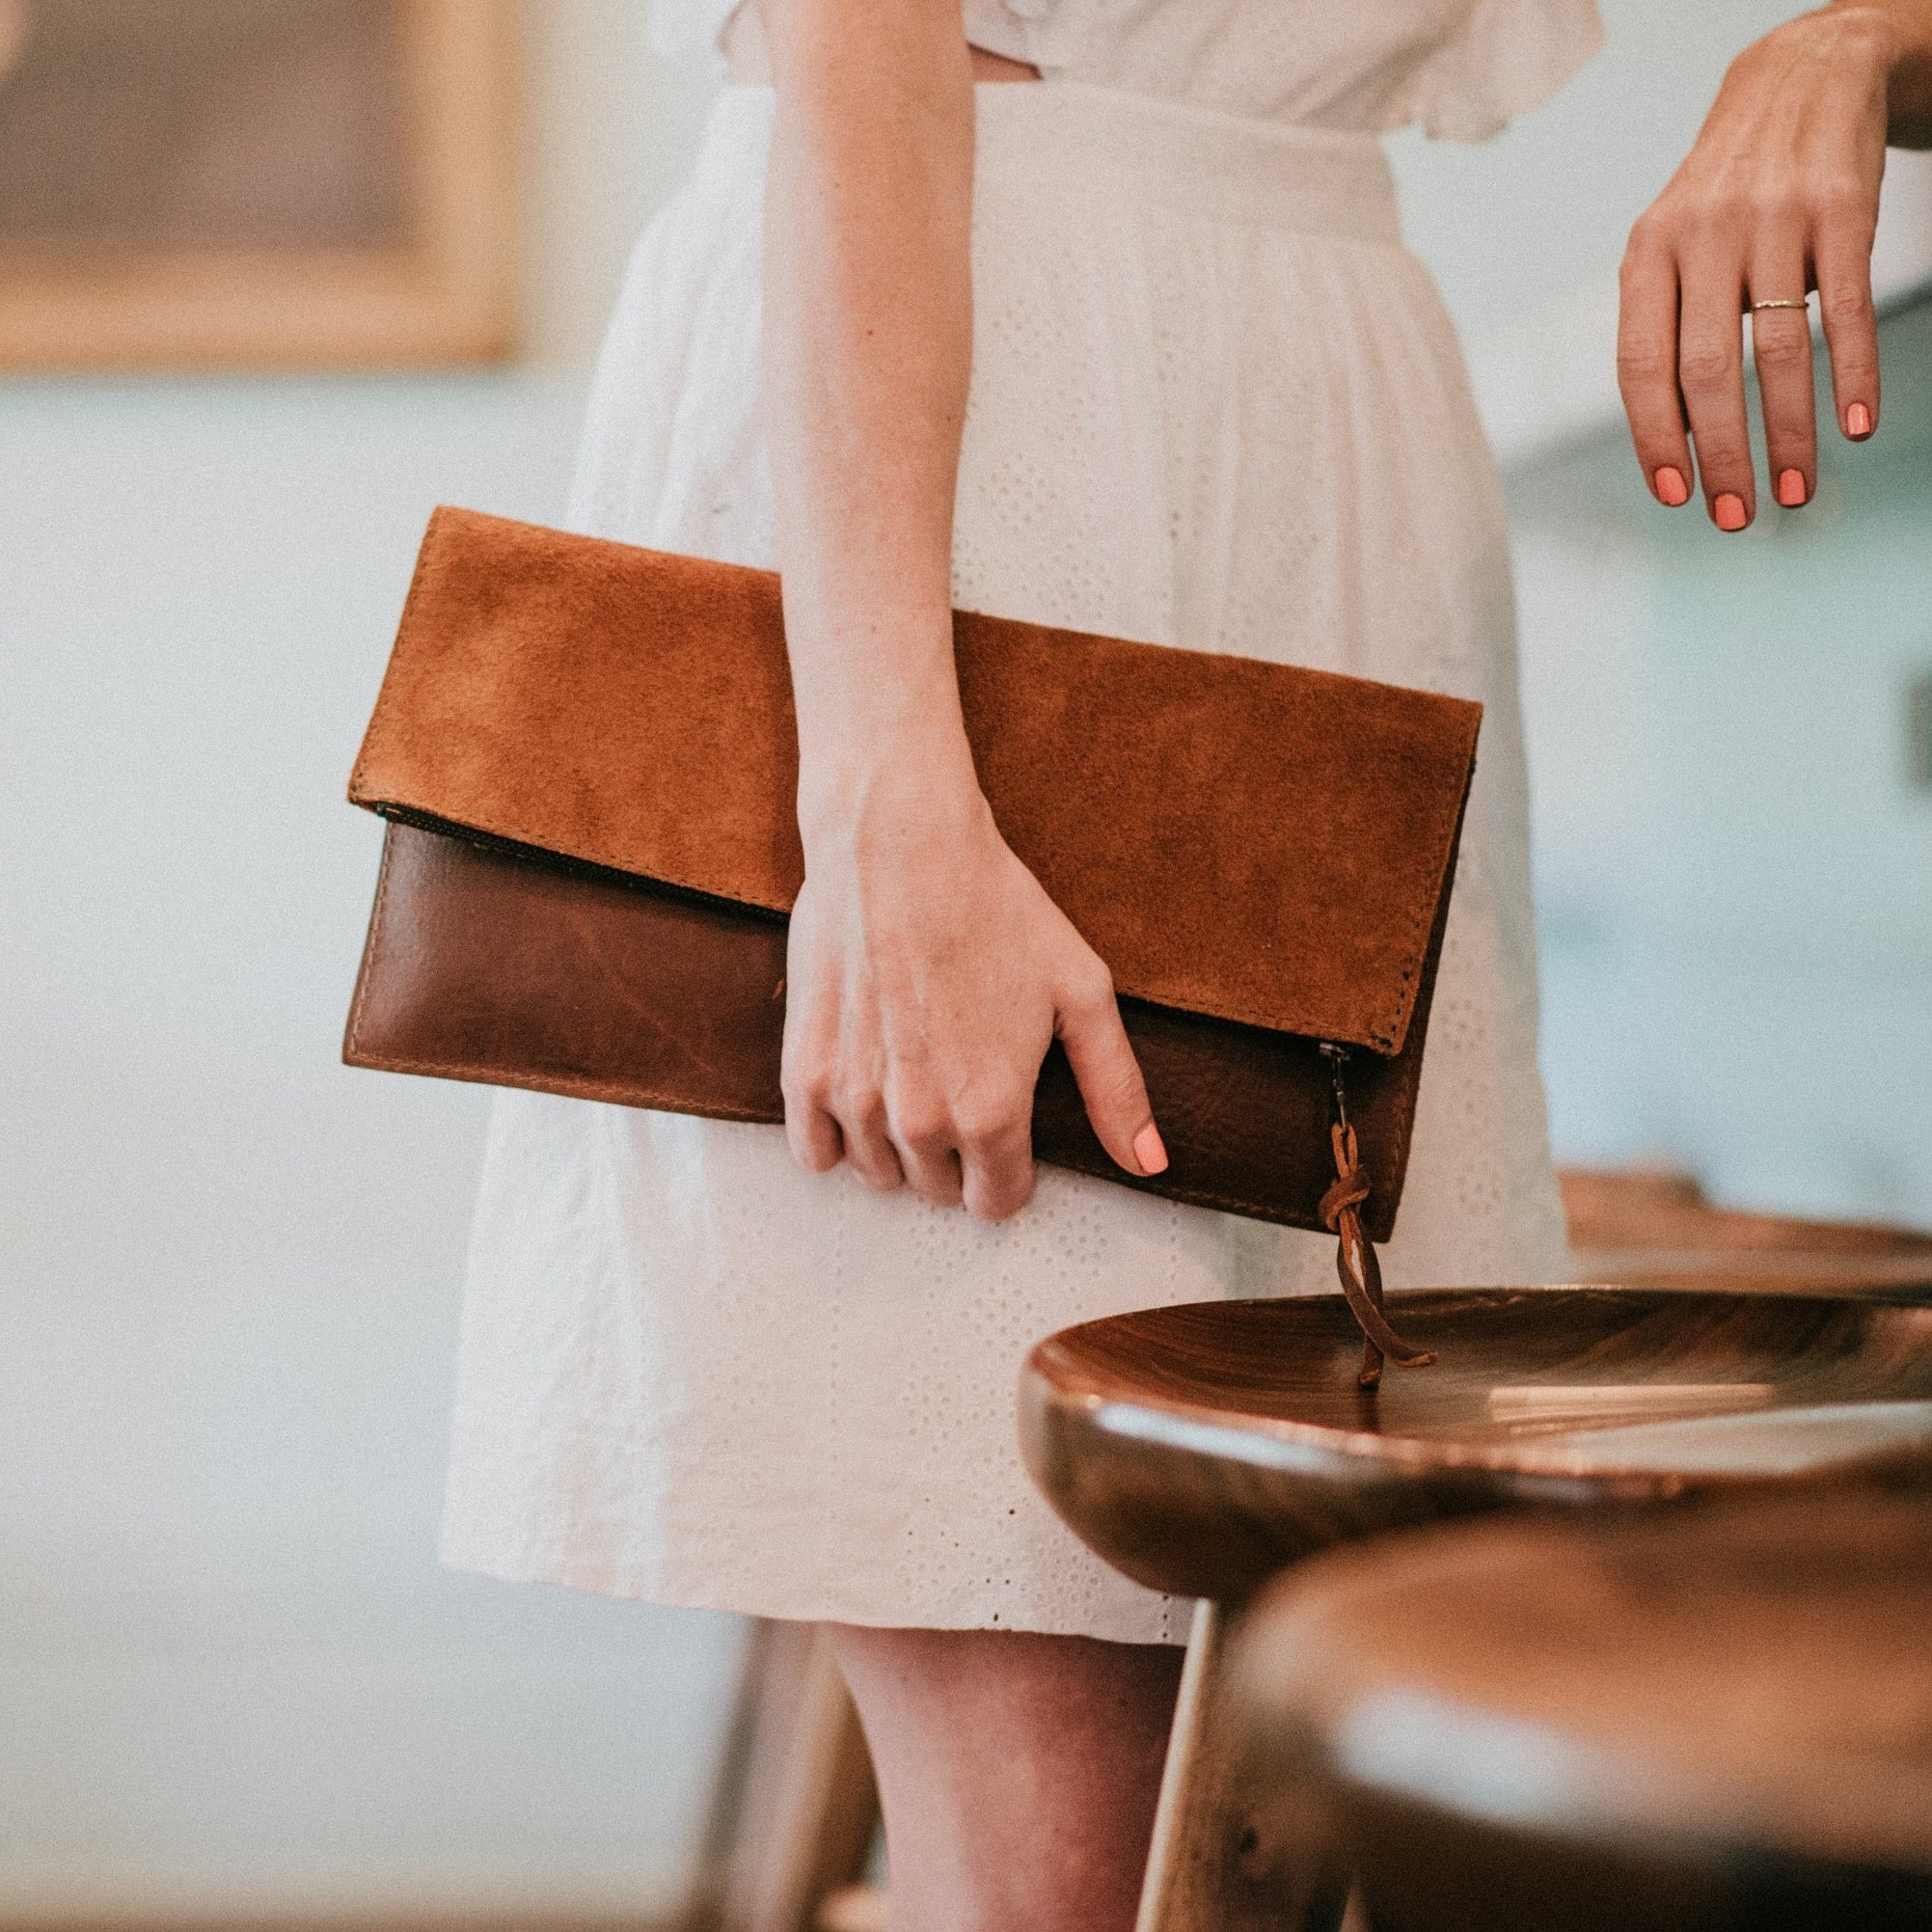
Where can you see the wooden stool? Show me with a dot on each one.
(1713, 1724)
(1655, 1229)
(780, 1853)
(1202, 1449)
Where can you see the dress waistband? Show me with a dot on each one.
(1063, 137)
(1072, 136)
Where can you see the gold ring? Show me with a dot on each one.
(1803, 302)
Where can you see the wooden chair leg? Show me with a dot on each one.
(794, 1810)
(1218, 1863)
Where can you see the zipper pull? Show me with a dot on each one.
(1356, 1264)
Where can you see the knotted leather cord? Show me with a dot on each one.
(1355, 1258)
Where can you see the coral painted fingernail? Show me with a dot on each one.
(1728, 511)
(1791, 488)
(1858, 420)
(1149, 1151)
(1672, 488)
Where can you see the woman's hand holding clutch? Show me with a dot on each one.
(928, 974)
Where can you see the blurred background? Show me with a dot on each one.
(232, 1682)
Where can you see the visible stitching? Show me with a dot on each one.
(370, 945)
(537, 843)
(1298, 1022)
(1406, 1129)
(629, 1094)
(1404, 1006)
(1382, 1038)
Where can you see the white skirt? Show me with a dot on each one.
(1215, 403)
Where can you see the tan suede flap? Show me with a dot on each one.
(1252, 841)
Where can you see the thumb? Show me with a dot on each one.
(1109, 1079)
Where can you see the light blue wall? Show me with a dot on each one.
(1736, 869)
(1736, 885)
(1510, 226)
(230, 1672)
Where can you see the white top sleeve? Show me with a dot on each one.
(1511, 55)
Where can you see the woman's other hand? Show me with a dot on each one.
(929, 972)
(1779, 196)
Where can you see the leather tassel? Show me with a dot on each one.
(1356, 1263)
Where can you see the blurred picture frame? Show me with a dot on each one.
(257, 184)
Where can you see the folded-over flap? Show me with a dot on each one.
(1253, 841)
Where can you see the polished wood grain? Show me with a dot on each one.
(1704, 1720)
(1640, 1227)
(1216, 1859)
(1199, 1449)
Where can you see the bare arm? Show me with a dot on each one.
(1780, 194)
(928, 971)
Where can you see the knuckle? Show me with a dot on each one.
(813, 1151)
(1726, 466)
(993, 1196)
(857, 1104)
(983, 1130)
(938, 1185)
(1643, 366)
(1706, 365)
(1848, 306)
(1776, 204)
(1650, 237)
(920, 1124)
(806, 1090)
(1641, 260)
(1716, 216)
(1840, 200)
(1784, 352)
(1090, 986)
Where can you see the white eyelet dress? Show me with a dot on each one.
(1215, 403)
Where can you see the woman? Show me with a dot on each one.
(1122, 337)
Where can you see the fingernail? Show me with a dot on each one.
(1149, 1152)
(1858, 420)
(1791, 488)
(1672, 488)
(1729, 512)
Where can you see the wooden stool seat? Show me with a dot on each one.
(1201, 1447)
(1655, 1229)
(793, 1829)
(1706, 1721)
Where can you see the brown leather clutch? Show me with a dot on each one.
(586, 756)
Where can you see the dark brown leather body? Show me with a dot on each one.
(583, 892)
